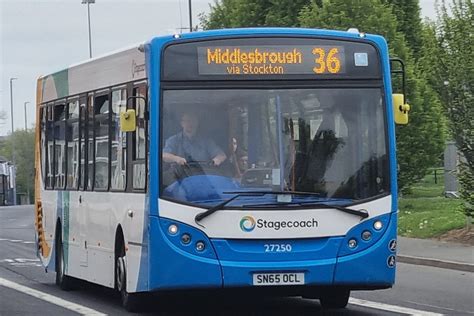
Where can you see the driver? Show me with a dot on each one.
(187, 146)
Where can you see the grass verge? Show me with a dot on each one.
(426, 213)
(429, 217)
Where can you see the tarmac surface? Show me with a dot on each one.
(433, 278)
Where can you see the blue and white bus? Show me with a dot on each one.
(286, 185)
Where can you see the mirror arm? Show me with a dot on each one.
(399, 71)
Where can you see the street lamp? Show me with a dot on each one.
(88, 2)
(190, 16)
(13, 143)
(26, 128)
(26, 113)
(11, 100)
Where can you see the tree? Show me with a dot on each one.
(253, 13)
(285, 13)
(236, 13)
(455, 33)
(19, 147)
(421, 142)
(409, 23)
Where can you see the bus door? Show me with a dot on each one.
(138, 154)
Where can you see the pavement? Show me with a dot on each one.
(441, 254)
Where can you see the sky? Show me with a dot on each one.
(38, 37)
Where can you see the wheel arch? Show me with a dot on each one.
(57, 234)
(119, 242)
(119, 248)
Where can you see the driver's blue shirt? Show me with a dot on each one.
(195, 149)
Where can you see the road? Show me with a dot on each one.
(25, 288)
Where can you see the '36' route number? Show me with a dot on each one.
(327, 61)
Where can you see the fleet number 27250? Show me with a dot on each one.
(277, 247)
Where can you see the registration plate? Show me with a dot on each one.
(292, 278)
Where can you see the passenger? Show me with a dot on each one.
(187, 146)
(238, 158)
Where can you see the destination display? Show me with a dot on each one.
(270, 59)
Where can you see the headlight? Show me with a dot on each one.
(378, 225)
(352, 243)
(172, 229)
(200, 246)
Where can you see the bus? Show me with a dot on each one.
(301, 202)
(7, 182)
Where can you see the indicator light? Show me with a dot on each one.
(185, 238)
(366, 235)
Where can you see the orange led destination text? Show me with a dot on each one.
(254, 62)
(261, 61)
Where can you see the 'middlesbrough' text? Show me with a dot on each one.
(253, 62)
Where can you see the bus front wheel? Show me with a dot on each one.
(130, 301)
(335, 299)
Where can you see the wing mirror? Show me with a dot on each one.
(400, 109)
(128, 121)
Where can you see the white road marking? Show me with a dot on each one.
(50, 298)
(439, 307)
(17, 240)
(391, 308)
(20, 264)
(23, 262)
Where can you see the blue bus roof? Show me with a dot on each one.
(275, 31)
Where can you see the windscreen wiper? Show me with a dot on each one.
(361, 212)
(199, 217)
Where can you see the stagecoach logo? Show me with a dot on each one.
(247, 223)
(137, 69)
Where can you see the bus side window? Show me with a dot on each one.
(101, 133)
(50, 147)
(90, 142)
(72, 144)
(82, 142)
(59, 145)
(118, 141)
(43, 142)
(139, 140)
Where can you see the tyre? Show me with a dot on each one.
(130, 301)
(335, 299)
(66, 283)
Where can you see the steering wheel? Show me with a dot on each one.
(195, 167)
